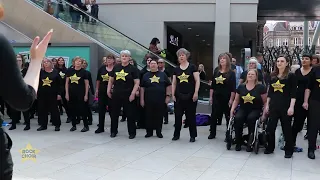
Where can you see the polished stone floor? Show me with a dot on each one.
(69, 155)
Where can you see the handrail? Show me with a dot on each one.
(26, 37)
(168, 62)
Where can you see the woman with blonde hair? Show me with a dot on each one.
(251, 96)
(48, 93)
(77, 89)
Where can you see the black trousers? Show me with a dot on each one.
(77, 108)
(6, 168)
(46, 105)
(165, 113)
(187, 107)
(119, 101)
(314, 123)
(154, 116)
(102, 108)
(300, 115)
(65, 104)
(274, 115)
(16, 116)
(219, 107)
(89, 113)
(242, 116)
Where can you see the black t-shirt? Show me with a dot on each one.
(76, 81)
(251, 99)
(185, 79)
(91, 87)
(223, 84)
(49, 84)
(314, 84)
(244, 75)
(302, 84)
(124, 77)
(282, 90)
(62, 73)
(103, 78)
(203, 75)
(155, 84)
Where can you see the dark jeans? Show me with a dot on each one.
(300, 114)
(102, 105)
(242, 116)
(75, 16)
(219, 107)
(314, 123)
(187, 107)
(274, 116)
(48, 105)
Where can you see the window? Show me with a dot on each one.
(285, 42)
(295, 41)
(278, 42)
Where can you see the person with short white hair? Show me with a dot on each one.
(253, 64)
(125, 81)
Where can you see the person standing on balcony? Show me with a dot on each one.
(185, 89)
(155, 46)
(94, 11)
(75, 13)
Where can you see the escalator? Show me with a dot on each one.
(97, 32)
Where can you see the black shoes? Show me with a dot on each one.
(99, 131)
(267, 152)
(148, 135)
(12, 127)
(175, 138)
(211, 136)
(311, 154)
(165, 122)
(288, 155)
(85, 129)
(41, 128)
(57, 128)
(238, 147)
(192, 139)
(73, 128)
(113, 135)
(132, 136)
(26, 128)
(159, 135)
(68, 120)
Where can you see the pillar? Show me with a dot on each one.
(305, 35)
(222, 29)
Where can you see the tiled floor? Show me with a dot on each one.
(69, 155)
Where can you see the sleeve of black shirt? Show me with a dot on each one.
(262, 89)
(293, 85)
(99, 75)
(90, 82)
(232, 82)
(112, 73)
(243, 75)
(135, 74)
(166, 80)
(239, 89)
(312, 79)
(14, 91)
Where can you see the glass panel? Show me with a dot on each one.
(98, 30)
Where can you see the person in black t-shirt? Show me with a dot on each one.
(62, 70)
(48, 93)
(222, 92)
(252, 97)
(161, 67)
(125, 81)
(252, 65)
(91, 92)
(101, 90)
(300, 114)
(185, 88)
(14, 114)
(77, 89)
(280, 104)
(155, 89)
(312, 103)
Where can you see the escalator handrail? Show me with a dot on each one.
(26, 37)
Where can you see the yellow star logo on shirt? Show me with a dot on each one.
(318, 81)
(105, 77)
(46, 82)
(277, 86)
(184, 78)
(248, 98)
(121, 75)
(75, 78)
(62, 74)
(220, 79)
(29, 153)
(154, 79)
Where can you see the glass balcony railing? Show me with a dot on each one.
(96, 29)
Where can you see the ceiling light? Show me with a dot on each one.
(197, 35)
(203, 40)
(189, 28)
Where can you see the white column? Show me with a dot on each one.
(222, 29)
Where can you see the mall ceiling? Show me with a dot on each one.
(202, 33)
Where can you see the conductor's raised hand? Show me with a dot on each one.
(38, 48)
